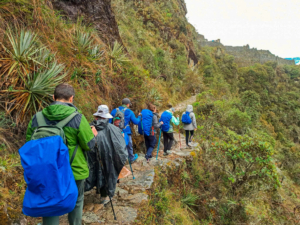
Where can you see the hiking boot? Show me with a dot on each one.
(166, 153)
(169, 152)
(148, 160)
(104, 200)
(188, 146)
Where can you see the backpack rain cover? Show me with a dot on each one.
(145, 124)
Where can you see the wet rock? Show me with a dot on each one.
(125, 215)
(23, 221)
(143, 180)
(98, 207)
(137, 198)
(182, 153)
(96, 12)
(121, 192)
(89, 207)
(90, 217)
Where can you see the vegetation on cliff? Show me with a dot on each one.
(248, 117)
(247, 170)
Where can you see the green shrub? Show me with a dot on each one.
(237, 120)
(247, 164)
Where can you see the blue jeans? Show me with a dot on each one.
(150, 142)
(130, 148)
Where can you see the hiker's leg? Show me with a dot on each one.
(171, 140)
(103, 192)
(187, 133)
(192, 134)
(130, 148)
(75, 216)
(54, 220)
(147, 145)
(166, 138)
(152, 142)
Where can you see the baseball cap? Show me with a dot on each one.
(126, 101)
(103, 112)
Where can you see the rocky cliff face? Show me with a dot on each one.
(244, 55)
(96, 12)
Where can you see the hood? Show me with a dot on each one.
(100, 124)
(58, 110)
(170, 111)
(189, 108)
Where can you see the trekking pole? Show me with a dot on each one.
(179, 137)
(112, 206)
(158, 143)
(131, 169)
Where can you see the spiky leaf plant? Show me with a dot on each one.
(95, 53)
(37, 91)
(83, 41)
(117, 56)
(189, 201)
(24, 53)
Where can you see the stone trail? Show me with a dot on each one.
(131, 193)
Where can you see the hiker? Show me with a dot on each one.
(128, 117)
(147, 127)
(80, 137)
(108, 157)
(167, 128)
(190, 125)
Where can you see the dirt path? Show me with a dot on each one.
(130, 193)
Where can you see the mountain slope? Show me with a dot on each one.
(244, 114)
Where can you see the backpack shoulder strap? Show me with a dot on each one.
(74, 154)
(40, 119)
(65, 121)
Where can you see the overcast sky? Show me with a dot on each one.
(263, 24)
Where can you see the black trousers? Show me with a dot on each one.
(187, 134)
(168, 141)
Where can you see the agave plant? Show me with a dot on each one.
(154, 97)
(95, 53)
(37, 91)
(117, 56)
(24, 53)
(83, 41)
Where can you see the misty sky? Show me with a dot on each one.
(263, 24)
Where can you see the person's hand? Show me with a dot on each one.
(94, 130)
(140, 114)
(177, 116)
(195, 129)
(161, 122)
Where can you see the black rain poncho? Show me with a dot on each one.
(111, 148)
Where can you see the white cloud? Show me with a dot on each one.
(263, 24)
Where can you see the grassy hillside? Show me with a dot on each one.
(247, 171)
(248, 117)
(40, 47)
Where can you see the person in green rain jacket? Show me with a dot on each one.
(78, 132)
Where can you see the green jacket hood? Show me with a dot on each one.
(58, 110)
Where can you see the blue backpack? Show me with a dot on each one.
(51, 187)
(186, 119)
(146, 122)
(166, 118)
